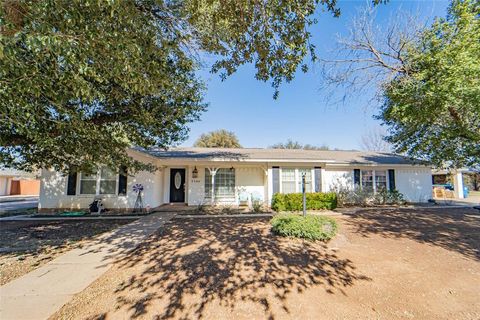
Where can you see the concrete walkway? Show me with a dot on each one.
(18, 198)
(40, 293)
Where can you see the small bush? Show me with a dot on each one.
(310, 227)
(257, 206)
(364, 197)
(294, 201)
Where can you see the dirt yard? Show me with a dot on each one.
(383, 264)
(26, 245)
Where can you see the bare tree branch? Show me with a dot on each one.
(370, 56)
(374, 140)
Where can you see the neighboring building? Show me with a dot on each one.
(16, 182)
(195, 176)
(454, 178)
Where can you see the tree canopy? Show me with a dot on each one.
(83, 80)
(433, 109)
(290, 144)
(426, 79)
(218, 139)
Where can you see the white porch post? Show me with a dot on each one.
(458, 184)
(213, 172)
(323, 187)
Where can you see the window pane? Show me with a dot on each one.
(225, 183)
(367, 179)
(107, 186)
(88, 186)
(288, 180)
(108, 181)
(308, 179)
(208, 184)
(85, 176)
(381, 180)
(107, 174)
(88, 183)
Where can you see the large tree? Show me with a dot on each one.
(218, 139)
(433, 109)
(425, 77)
(82, 80)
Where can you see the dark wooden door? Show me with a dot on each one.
(177, 185)
(15, 187)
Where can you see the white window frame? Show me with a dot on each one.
(97, 186)
(298, 178)
(374, 176)
(208, 176)
(295, 181)
(375, 180)
(79, 185)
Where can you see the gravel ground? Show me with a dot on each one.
(26, 245)
(383, 264)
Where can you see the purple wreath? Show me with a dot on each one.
(137, 187)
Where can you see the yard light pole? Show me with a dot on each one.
(304, 196)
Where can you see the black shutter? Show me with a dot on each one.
(276, 179)
(318, 179)
(72, 184)
(356, 178)
(391, 179)
(122, 181)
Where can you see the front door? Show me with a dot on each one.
(177, 185)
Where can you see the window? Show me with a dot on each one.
(367, 179)
(374, 181)
(108, 181)
(88, 183)
(288, 180)
(224, 183)
(291, 180)
(380, 180)
(308, 179)
(102, 182)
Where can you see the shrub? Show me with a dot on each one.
(310, 227)
(257, 206)
(362, 197)
(294, 201)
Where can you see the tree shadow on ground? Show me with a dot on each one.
(228, 261)
(32, 236)
(452, 229)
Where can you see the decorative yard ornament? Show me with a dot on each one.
(138, 207)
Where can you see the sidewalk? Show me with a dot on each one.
(38, 294)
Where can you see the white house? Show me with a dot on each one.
(194, 176)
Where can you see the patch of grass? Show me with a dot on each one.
(310, 227)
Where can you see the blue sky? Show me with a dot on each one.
(245, 106)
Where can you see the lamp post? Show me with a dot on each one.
(304, 196)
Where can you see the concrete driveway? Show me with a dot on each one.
(18, 203)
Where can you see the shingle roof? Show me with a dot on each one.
(8, 172)
(252, 154)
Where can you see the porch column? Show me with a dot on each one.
(458, 184)
(213, 172)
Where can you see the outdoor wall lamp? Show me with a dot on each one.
(195, 173)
